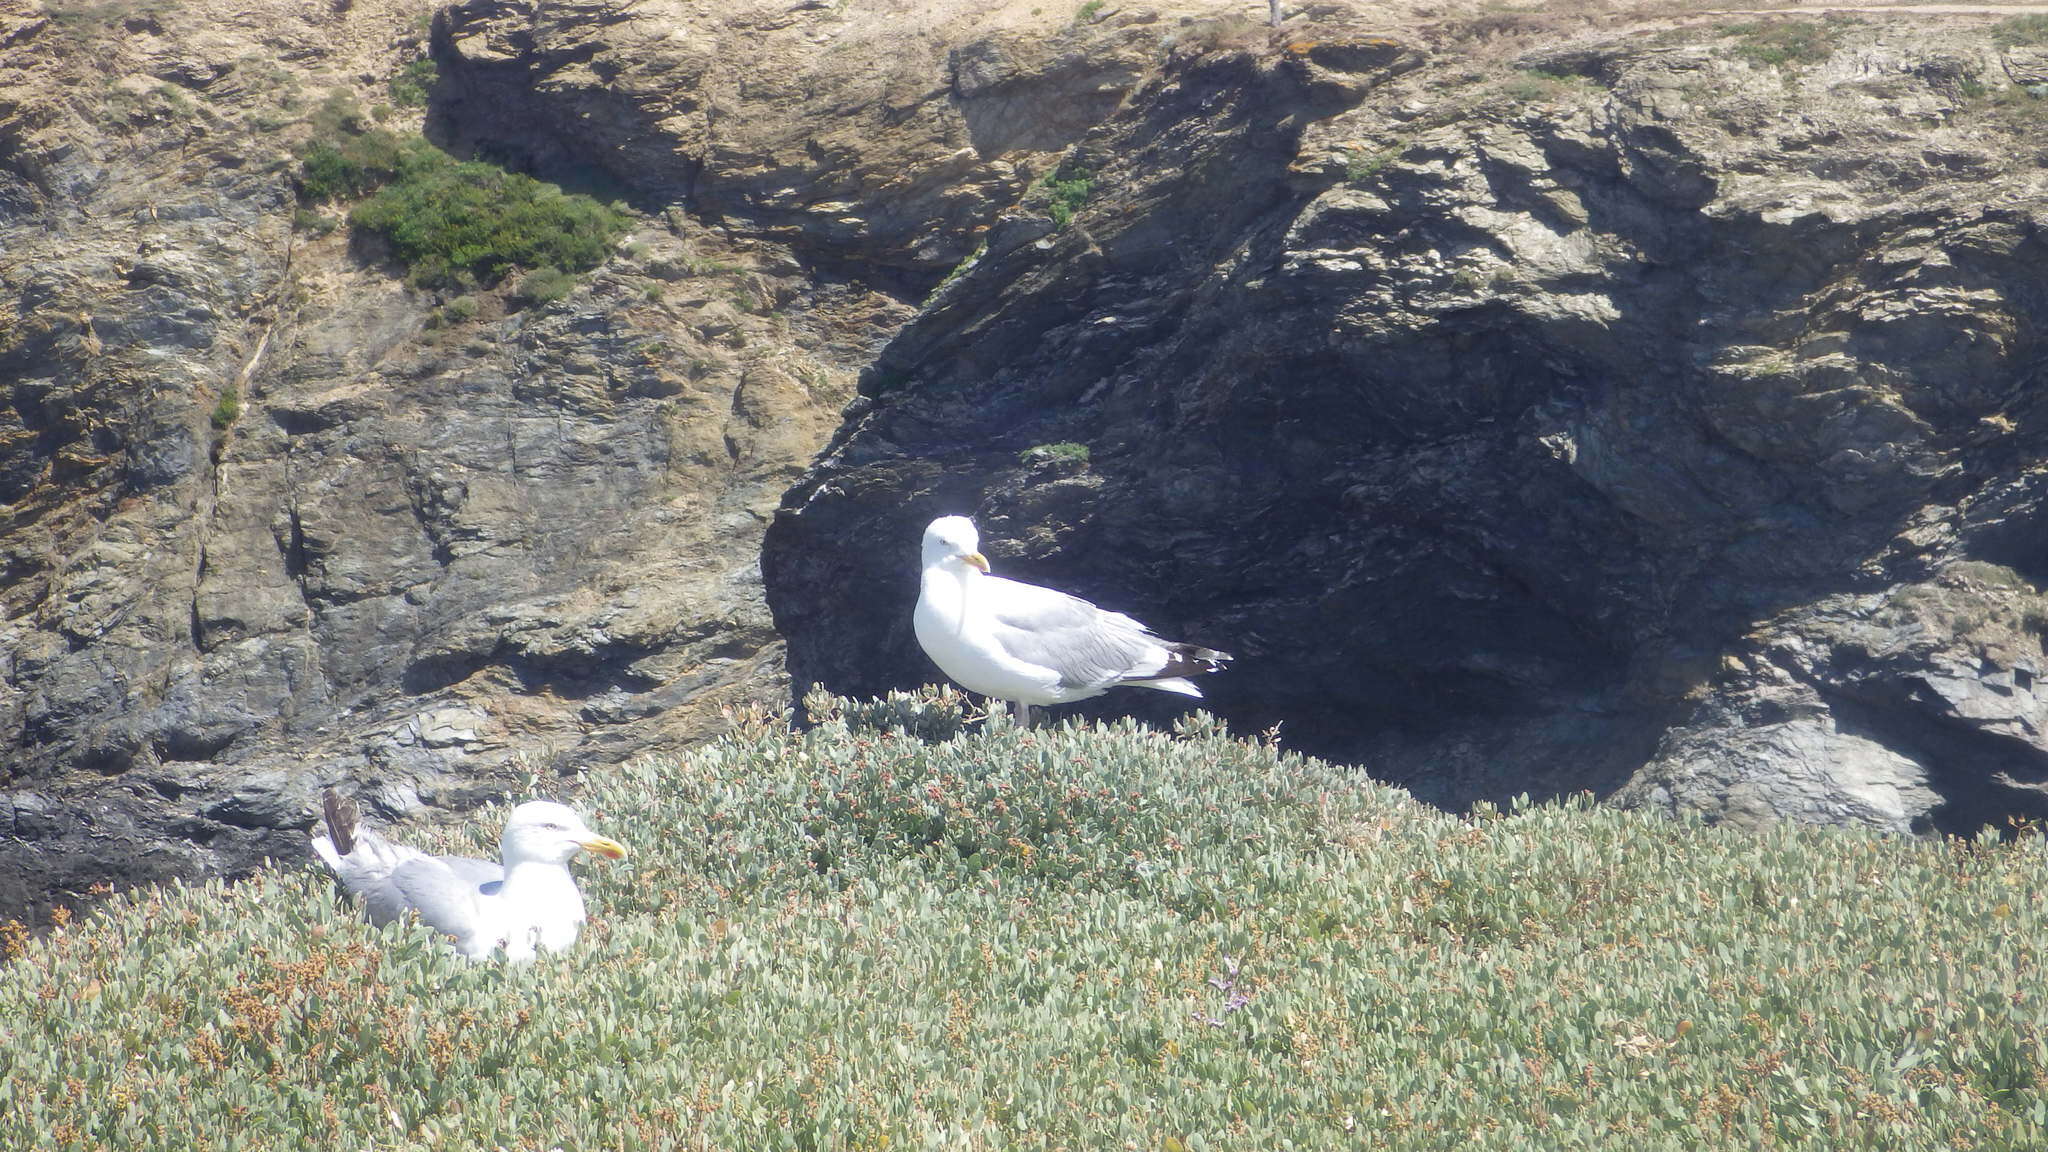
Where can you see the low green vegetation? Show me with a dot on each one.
(890, 932)
(1360, 166)
(448, 220)
(2029, 31)
(355, 164)
(414, 83)
(958, 270)
(226, 410)
(87, 14)
(1531, 85)
(1066, 451)
(1068, 188)
(452, 223)
(1087, 11)
(312, 222)
(545, 286)
(1780, 42)
(2019, 107)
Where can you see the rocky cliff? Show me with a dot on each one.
(1531, 405)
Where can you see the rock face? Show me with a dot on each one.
(1617, 420)
(1529, 411)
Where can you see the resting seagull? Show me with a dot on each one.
(1030, 645)
(528, 899)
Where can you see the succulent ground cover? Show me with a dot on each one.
(892, 933)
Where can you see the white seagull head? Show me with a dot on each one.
(952, 541)
(543, 831)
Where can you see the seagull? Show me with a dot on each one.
(529, 899)
(1030, 645)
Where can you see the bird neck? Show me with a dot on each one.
(947, 587)
(527, 879)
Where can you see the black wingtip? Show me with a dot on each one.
(1193, 660)
(341, 816)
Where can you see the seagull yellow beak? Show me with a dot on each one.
(976, 559)
(606, 847)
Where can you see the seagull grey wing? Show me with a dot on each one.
(445, 899)
(483, 875)
(1086, 646)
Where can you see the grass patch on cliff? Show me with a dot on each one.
(1776, 43)
(2029, 31)
(893, 932)
(414, 83)
(1065, 452)
(1535, 86)
(452, 223)
(226, 410)
(1067, 189)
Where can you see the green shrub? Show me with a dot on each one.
(227, 410)
(1069, 189)
(414, 83)
(1065, 451)
(545, 286)
(904, 930)
(444, 217)
(349, 165)
(338, 114)
(452, 223)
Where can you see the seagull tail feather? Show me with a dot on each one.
(1190, 660)
(341, 814)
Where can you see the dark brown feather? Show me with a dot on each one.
(341, 821)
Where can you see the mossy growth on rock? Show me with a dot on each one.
(905, 929)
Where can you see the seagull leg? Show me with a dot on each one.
(1022, 712)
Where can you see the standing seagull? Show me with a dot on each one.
(529, 899)
(1030, 645)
